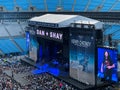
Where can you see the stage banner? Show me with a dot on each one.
(82, 57)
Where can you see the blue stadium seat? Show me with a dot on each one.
(3, 32)
(94, 4)
(80, 5)
(116, 35)
(14, 29)
(24, 4)
(67, 6)
(7, 46)
(38, 4)
(112, 29)
(8, 4)
(107, 5)
(116, 7)
(52, 5)
(22, 43)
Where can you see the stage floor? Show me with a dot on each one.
(52, 69)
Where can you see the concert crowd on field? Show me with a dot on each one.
(44, 81)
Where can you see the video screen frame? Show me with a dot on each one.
(107, 69)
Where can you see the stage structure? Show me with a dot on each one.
(69, 43)
(85, 35)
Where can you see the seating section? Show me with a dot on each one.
(14, 29)
(23, 25)
(7, 46)
(8, 4)
(107, 5)
(9, 31)
(112, 29)
(52, 5)
(80, 5)
(21, 42)
(116, 7)
(23, 4)
(94, 6)
(38, 4)
(3, 32)
(116, 35)
(67, 6)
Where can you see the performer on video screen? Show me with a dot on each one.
(107, 66)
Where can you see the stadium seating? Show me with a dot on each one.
(116, 35)
(116, 7)
(14, 29)
(21, 42)
(67, 6)
(8, 4)
(94, 6)
(8, 46)
(52, 5)
(23, 4)
(80, 5)
(3, 32)
(107, 5)
(112, 29)
(77, 5)
(38, 4)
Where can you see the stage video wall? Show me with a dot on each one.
(82, 49)
(107, 64)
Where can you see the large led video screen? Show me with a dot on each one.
(82, 49)
(107, 64)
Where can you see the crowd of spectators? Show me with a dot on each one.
(44, 81)
(6, 82)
